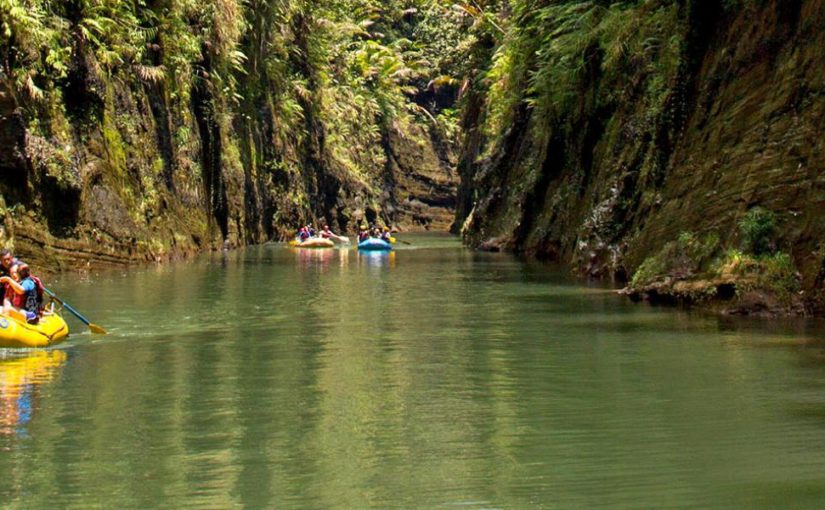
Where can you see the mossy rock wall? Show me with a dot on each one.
(420, 181)
(725, 116)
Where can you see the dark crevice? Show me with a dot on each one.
(535, 199)
(210, 143)
(61, 206)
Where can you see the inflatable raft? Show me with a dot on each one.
(373, 244)
(14, 332)
(313, 242)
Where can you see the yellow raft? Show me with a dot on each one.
(14, 332)
(313, 242)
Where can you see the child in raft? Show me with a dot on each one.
(24, 293)
(9, 295)
(7, 261)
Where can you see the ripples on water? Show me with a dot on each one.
(432, 377)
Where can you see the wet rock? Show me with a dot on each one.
(495, 244)
(421, 188)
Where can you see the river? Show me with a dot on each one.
(432, 377)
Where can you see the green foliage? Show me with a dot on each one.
(758, 229)
(448, 123)
(351, 65)
(780, 273)
(773, 273)
(680, 259)
(32, 42)
(553, 51)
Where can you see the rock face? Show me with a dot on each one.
(644, 155)
(421, 185)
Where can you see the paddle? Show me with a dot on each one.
(340, 239)
(93, 327)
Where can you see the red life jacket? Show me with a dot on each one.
(10, 294)
(18, 300)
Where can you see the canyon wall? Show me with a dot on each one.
(642, 122)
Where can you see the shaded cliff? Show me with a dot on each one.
(609, 132)
(135, 131)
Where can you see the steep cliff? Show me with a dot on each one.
(137, 131)
(614, 132)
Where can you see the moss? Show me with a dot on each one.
(115, 151)
(689, 271)
(681, 259)
(775, 274)
(150, 196)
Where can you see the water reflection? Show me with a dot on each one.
(324, 259)
(320, 258)
(377, 258)
(20, 377)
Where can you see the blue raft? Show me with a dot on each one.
(373, 244)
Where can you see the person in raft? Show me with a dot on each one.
(7, 261)
(303, 234)
(24, 293)
(363, 234)
(385, 235)
(9, 295)
(326, 233)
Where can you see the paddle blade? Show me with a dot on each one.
(97, 329)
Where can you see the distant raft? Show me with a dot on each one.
(313, 242)
(373, 244)
(14, 332)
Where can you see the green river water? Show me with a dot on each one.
(433, 377)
